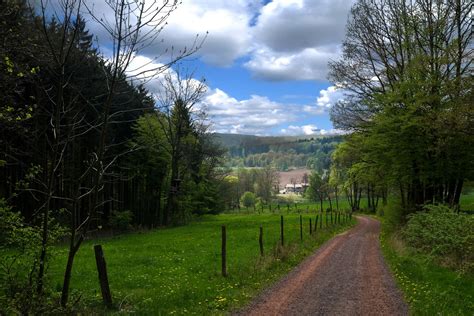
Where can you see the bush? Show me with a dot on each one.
(20, 245)
(121, 220)
(443, 233)
(248, 199)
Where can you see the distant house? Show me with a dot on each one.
(297, 188)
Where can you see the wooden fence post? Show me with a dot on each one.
(224, 252)
(260, 241)
(282, 236)
(103, 278)
(301, 227)
(310, 227)
(321, 222)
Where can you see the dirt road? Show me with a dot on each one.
(346, 276)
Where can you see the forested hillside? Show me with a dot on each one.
(283, 152)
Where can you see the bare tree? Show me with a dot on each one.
(383, 40)
(63, 118)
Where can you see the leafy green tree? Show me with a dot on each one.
(316, 189)
(408, 99)
(266, 183)
(149, 164)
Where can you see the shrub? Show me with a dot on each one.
(20, 244)
(248, 199)
(121, 220)
(443, 233)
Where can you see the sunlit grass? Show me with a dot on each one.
(177, 270)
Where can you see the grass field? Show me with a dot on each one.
(467, 202)
(177, 270)
(298, 204)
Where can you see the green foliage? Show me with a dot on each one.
(467, 202)
(19, 251)
(443, 233)
(411, 121)
(315, 191)
(248, 199)
(121, 220)
(429, 288)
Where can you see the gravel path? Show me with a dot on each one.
(346, 276)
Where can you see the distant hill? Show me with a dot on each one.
(232, 140)
(282, 152)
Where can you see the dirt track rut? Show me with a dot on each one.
(346, 276)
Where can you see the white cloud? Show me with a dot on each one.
(307, 64)
(228, 24)
(300, 130)
(226, 21)
(310, 129)
(284, 39)
(257, 115)
(326, 99)
(295, 25)
(295, 39)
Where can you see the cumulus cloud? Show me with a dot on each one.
(257, 115)
(307, 64)
(283, 39)
(293, 130)
(309, 129)
(326, 99)
(226, 23)
(295, 39)
(295, 25)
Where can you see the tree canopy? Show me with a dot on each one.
(406, 67)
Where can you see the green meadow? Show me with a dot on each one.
(178, 270)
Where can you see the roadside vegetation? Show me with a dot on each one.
(431, 259)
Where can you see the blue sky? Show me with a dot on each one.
(265, 62)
